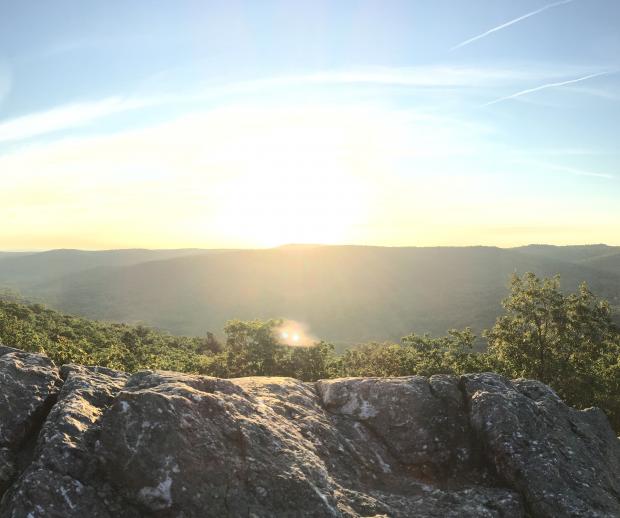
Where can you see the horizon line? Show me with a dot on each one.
(292, 245)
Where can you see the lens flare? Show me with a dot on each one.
(295, 333)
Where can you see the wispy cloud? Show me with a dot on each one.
(596, 92)
(65, 117)
(461, 80)
(366, 162)
(429, 76)
(438, 76)
(549, 85)
(570, 151)
(79, 114)
(570, 170)
(580, 172)
(511, 22)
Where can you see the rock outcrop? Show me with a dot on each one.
(91, 442)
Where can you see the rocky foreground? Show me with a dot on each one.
(91, 442)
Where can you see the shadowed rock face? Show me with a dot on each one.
(91, 442)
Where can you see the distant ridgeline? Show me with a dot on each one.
(567, 340)
(345, 294)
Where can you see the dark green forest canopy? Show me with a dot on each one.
(568, 340)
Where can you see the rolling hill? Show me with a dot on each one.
(343, 293)
(606, 263)
(23, 270)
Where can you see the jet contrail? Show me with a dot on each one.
(511, 22)
(549, 85)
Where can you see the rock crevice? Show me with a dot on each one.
(29, 387)
(159, 444)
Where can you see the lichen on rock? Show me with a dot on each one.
(87, 441)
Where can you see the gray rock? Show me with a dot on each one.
(30, 383)
(41, 493)
(423, 422)
(189, 446)
(6, 350)
(162, 444)
(63, 444)
(62, 478)
(564, 462)
(205, 447)
(7, 468)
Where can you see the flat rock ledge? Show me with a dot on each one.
(91, 442)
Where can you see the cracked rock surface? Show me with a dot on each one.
(91, 442)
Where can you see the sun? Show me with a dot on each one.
(301, 178)
(305, 208)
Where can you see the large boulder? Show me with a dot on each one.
(29, 385)
(7, 468)
(179, 445)
(61, 480)
(423, 422)
(162, 444)
(564, 462)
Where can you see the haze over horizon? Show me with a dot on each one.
(238, 125)
(285, 245)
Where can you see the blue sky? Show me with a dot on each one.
(422, 122)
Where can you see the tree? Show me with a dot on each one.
(308, 363)
(416, 354)
(251, 347)
(210, 344)
(568, 341)
(450, 354)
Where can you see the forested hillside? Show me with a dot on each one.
(344, 294)
(567, 340)
(27, 271)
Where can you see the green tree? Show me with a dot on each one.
(416, 354)
(377, 359)
(210, 344)
(568, 341)
(251, 347)
(450, 354)
(308, 363)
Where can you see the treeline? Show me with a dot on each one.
(568, 341)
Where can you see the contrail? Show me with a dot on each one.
(511, 22)
(549, 85)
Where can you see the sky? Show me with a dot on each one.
(222, 124)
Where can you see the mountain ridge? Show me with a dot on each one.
(344, 293)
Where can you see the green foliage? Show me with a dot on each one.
(451, 354)
(417, 354)
(310, 363)
(69, 339)
(566, 340)
(252, 348)
(354, 293)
